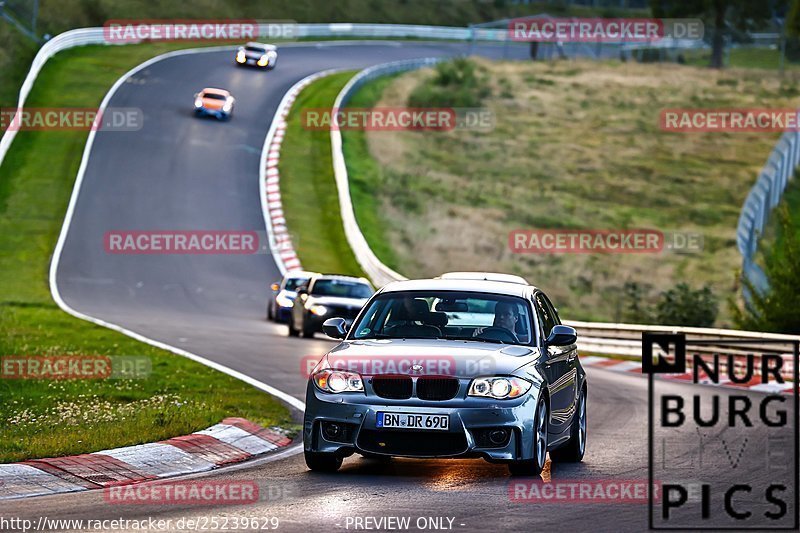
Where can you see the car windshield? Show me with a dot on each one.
(293, 283)
(341, 288)
(214, 96)
(456, 315)
(254, 49)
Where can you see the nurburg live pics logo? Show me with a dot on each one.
(726, 458)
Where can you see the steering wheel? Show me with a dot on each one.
(499, 333)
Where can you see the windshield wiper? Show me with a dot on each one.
(477, 339)
(378, 336)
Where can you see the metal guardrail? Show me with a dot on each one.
(85, 36)
(598, 337)
(379, 273)
(762, 199)
(764, 196)
(58, 43)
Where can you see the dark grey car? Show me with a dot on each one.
(326, 296)
(455, 367)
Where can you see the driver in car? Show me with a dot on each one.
(505, 316)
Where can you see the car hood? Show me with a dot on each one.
(463, 359)
(357, 303)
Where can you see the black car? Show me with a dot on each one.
(327, 296)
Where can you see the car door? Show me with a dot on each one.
(559, 367)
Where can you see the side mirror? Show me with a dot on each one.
(562, 336)
(335, 328)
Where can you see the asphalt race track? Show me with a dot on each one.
(179, 172)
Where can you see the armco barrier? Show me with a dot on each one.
(85, 36)
(598, 337)
(762, 199)
(771, 183)
(379, 273)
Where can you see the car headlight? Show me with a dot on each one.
(284, 301)
(227, 107)
(263, 61)
(500, 388)
(318, 310)
(198, 103)
(240, 57)
(337, 381)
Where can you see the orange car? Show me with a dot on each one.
(215, 102)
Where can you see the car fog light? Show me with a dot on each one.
(332, 430)
(498, 436)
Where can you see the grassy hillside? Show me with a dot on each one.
(576, 145)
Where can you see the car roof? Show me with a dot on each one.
(300, 274)
(212, 90)
(485, 276)
(262, 45)
(472, 285)
(342, 278)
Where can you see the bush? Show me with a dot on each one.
(776, 309)
(457, 83)
(683, 306)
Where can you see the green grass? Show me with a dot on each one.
(16, 54)
(49, 418)
(308, 188)
(575, 145)
(749, 57)
(774, 238)
(56, 16)
(365, 174)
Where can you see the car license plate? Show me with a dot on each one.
(413, 421)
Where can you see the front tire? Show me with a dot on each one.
(322, 462)
(292, 332)
(576, 446)
(533, 467)
(307, 332)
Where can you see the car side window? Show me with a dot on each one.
(545, 313)
(552, 308)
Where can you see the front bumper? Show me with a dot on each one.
(204, 111)
(470, 421)
(282, 314)
(253, 62)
